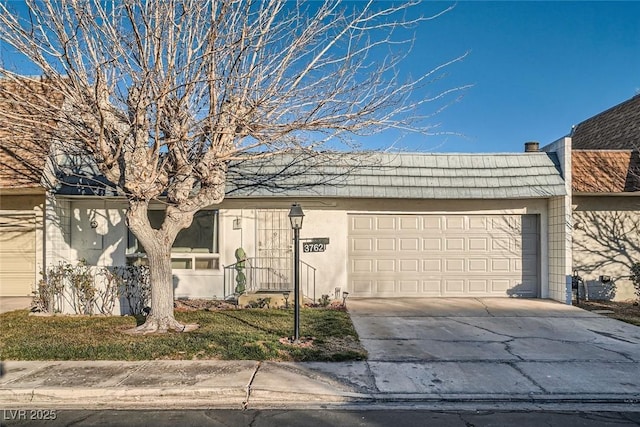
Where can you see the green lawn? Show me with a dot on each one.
(247, 334)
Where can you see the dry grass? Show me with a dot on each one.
(626, 311)
(227, 334)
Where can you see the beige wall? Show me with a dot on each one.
(28, 203)
(606, 241)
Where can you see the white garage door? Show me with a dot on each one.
(443, 255)
(17, 254)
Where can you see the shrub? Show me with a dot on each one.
(76, 285)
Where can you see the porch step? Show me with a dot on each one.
(276, 298)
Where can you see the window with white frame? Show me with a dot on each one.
(195, 248)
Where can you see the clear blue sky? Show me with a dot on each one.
(537, 69)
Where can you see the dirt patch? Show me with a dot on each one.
(627, 311)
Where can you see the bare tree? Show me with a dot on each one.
(165, 94)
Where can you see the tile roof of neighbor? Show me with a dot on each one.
(614, 129)
(605, 171)
(22, 151)
(423, 176)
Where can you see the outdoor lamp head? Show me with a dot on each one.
(295, 216)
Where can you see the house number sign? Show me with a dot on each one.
(317, 244)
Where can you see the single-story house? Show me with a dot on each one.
(404, 224)
(606, 200)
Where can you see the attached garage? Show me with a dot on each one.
(17, 254)
(448, 255)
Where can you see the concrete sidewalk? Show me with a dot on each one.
(250, 384)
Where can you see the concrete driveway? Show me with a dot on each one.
(497, 346)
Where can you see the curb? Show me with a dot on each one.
(236, 398)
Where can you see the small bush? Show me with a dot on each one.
(83, 289)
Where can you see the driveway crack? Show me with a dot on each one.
(486, 308)
(619, 353)
(510, 337)
(525, 375)
(612, 336)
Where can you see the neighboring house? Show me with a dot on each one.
(606, 200)
(411, 224)
(22, 196)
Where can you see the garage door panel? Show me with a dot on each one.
(386, 223)
(432, 223)
(410, 223)
(408, 244)
(409, 266)
(454, 223)
(385, 265)
(386, 244)
(477, 223)
(478, 244)
(455, 244)
(386, 286)
(529, 245)
(432, 244)
(500, 266)
(363, 223)
(362, 265)
(446, 255)
(432, 287)
(478, 265)
(454, 287)
(529, 267)
(432, 266)
(500, 285)
(362, 244)
(17, 254)
(362, 286)
(453, 265)
(478, 286)
(501, 244)
(408, 286)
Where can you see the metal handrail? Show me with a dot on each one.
(269, 274)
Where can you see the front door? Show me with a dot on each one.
(275, 246)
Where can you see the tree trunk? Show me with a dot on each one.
(157, 244)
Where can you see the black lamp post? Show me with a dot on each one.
(296, 216)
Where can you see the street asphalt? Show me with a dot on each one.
(471, 354)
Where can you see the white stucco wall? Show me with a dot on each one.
(70, 236)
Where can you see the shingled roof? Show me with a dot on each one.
(605, 171)
(23, 150)
(614, 129)
(419, 176)
(374, 175)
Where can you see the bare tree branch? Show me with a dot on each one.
(166, 95)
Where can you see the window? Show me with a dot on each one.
(195, 248)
